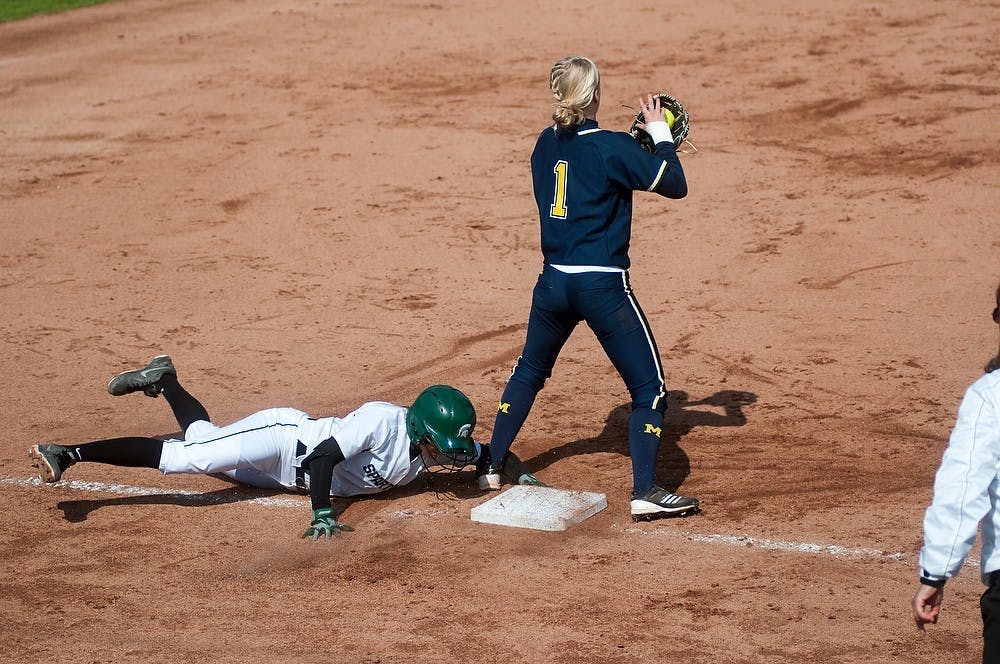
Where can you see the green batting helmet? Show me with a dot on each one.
(445, 418)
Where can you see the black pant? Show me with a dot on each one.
(989, 604)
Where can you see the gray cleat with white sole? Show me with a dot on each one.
(146, 379)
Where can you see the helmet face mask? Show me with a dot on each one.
(437, 461)
(440, 423)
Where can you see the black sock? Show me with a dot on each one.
(134, 451)
(186, 408)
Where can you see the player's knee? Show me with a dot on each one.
(656, 401)
(530, 376)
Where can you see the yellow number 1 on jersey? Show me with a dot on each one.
(558, 209)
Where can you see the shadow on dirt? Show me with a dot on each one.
(78, 510)
(453, 486)
(673, 465)
(459, 486)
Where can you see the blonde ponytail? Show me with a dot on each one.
(573, 81)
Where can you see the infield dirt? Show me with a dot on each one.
(320, 204)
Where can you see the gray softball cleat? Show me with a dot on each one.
(52, 460)
(146, 379)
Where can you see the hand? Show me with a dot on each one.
(527, 479)
(514, 468)
(323, 524)
(651, 111)
(927, 605)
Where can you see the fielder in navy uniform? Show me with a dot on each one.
(967, 495)
(372, 449)
(583, 179)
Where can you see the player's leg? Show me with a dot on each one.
(132, 451)
(186, 408)
(160, 377)
(264, 441)
(550, 323)
(614, 314)
(260, 442)
(621, 327)
(989, 605)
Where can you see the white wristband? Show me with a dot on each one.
(659, 131)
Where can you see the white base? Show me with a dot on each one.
(540, 508)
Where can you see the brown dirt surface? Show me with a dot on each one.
(316, 204)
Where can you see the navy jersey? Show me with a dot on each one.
(583, 180)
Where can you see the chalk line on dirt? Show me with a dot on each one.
(776, 545)
(127, 490)
(833, 550)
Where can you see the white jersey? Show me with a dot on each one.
(376, 449)
(967, 487)
(266, 449)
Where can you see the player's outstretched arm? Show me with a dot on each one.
(320, 464)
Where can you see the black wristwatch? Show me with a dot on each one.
(932, 580)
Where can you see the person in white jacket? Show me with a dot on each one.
(967, 495)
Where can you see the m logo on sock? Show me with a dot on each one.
(503, 408)
(653, 430)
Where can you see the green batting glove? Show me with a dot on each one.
(323, 524)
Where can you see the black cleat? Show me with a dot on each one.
(658, 503)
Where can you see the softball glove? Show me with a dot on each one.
(679, 130)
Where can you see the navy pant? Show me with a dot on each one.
(989, 605)
(604, 300)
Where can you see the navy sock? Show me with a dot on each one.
(644, 429)
(515, 404)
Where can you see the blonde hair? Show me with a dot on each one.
(573, 81)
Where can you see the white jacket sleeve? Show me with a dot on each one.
(966, 484)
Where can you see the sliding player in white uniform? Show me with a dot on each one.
(370, 450)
